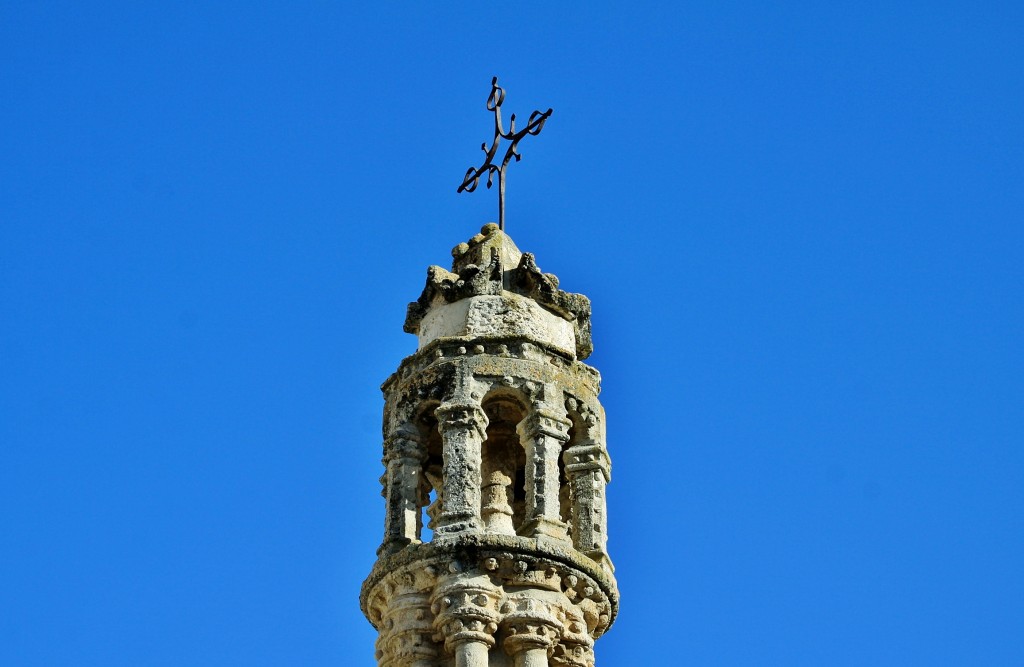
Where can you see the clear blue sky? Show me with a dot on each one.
(800, 227)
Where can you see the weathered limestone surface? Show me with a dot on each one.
(491, 264)
(496, 316)
(493, 432)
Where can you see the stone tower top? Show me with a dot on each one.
(496, 291)
(495, 467)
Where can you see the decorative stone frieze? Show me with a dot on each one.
(494, 437)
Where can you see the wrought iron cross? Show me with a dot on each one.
(533, 126)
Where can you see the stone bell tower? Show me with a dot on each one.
(495, 531)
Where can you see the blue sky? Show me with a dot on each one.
(799, 225)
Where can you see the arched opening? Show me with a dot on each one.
(430, 498)
(503, 464)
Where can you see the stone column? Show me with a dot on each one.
(543, 433)
(463, 427)
(499, 470)
(575, 647)
(384, 659)
(587, 467)
(409, 622)
(466, 618)
(435, 480)
(573, 654)
(531, 632)
(497, 508)
(404, 455)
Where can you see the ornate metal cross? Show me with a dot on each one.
(533, 126)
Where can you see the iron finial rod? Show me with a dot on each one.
(533, 126)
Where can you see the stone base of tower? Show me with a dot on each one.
(482, 600)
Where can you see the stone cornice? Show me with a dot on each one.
(480, 547)
(485, 351)
(489, 264)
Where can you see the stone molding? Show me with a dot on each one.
(472, 348)
(509, 561)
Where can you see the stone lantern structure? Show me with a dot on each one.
(495, 531)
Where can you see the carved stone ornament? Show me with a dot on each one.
(491, 265)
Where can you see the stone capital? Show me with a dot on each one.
(545, 421)
(587, 457)
(462, 415)
(409, 623)
(405, 443)
(529, 624)
(465, 611)
(575, 648)
(573, 654)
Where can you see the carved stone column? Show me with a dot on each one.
(499, 469)
(404, 455)
(497, 492)
(589, 471)
(576, 646)
(466, 618)
(531, 632)
(435, 480)
(544, 431)
(384, 659)
(408, 620)
(573, 654)
(463, 427)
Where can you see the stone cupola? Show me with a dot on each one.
(495, 530)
